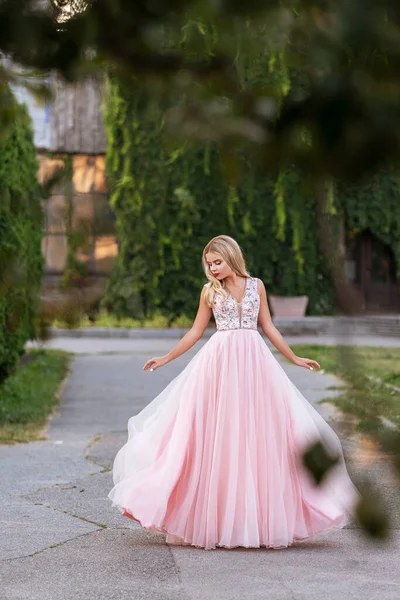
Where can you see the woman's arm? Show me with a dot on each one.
(272, 333)
(189, 339)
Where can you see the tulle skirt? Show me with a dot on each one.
(216, 458)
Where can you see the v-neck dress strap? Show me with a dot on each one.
(230, 314)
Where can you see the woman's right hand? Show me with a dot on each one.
(155, 363)
(307, 363)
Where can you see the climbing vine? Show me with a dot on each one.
(168, 204)
(77, 237)
(169, 201)
(374, 204)
(21, 225)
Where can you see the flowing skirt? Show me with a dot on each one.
(216, 458)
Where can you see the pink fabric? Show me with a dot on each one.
(214, 460)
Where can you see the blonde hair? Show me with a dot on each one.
(232, 254)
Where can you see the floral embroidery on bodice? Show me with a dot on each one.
(231, 314)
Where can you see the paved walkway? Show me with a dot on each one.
(60, 538)
(164, 340)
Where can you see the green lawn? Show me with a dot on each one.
(105, 319)
(366, 370)
(30, 395)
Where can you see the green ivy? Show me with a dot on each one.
(169, 203)
(21, 226)
(374, 204)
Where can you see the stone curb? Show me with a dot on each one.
(121, 332)
(385, 326)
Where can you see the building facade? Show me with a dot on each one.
(69, 130)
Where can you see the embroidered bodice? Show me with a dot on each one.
(231, 314)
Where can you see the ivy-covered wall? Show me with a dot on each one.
(169, 203)
(21, 225)
(373, 204)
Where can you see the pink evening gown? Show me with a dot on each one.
(215, 458)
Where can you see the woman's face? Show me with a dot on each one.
(218, 267)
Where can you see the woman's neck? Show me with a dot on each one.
(233, 280)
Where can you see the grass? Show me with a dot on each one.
(368, 373)
(105, 319)
(29, 395)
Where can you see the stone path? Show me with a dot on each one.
(60, 538)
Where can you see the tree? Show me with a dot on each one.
(21, 225)
(346, 52)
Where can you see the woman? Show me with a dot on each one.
(216, 458)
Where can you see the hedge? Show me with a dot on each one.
(21, 226)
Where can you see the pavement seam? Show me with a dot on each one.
(60, 510)
(96, 438)
(66, 512)
(178, 571)
(4, 560)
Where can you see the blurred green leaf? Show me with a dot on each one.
(318, 461)
(372, 516)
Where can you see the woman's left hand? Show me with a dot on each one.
(307, 363)
(155, 363)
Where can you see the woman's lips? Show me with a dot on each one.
(216, 274)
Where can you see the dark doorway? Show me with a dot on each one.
(371, 267)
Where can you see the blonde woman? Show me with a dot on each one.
(216, 458)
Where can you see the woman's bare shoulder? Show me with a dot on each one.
(260, 285)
